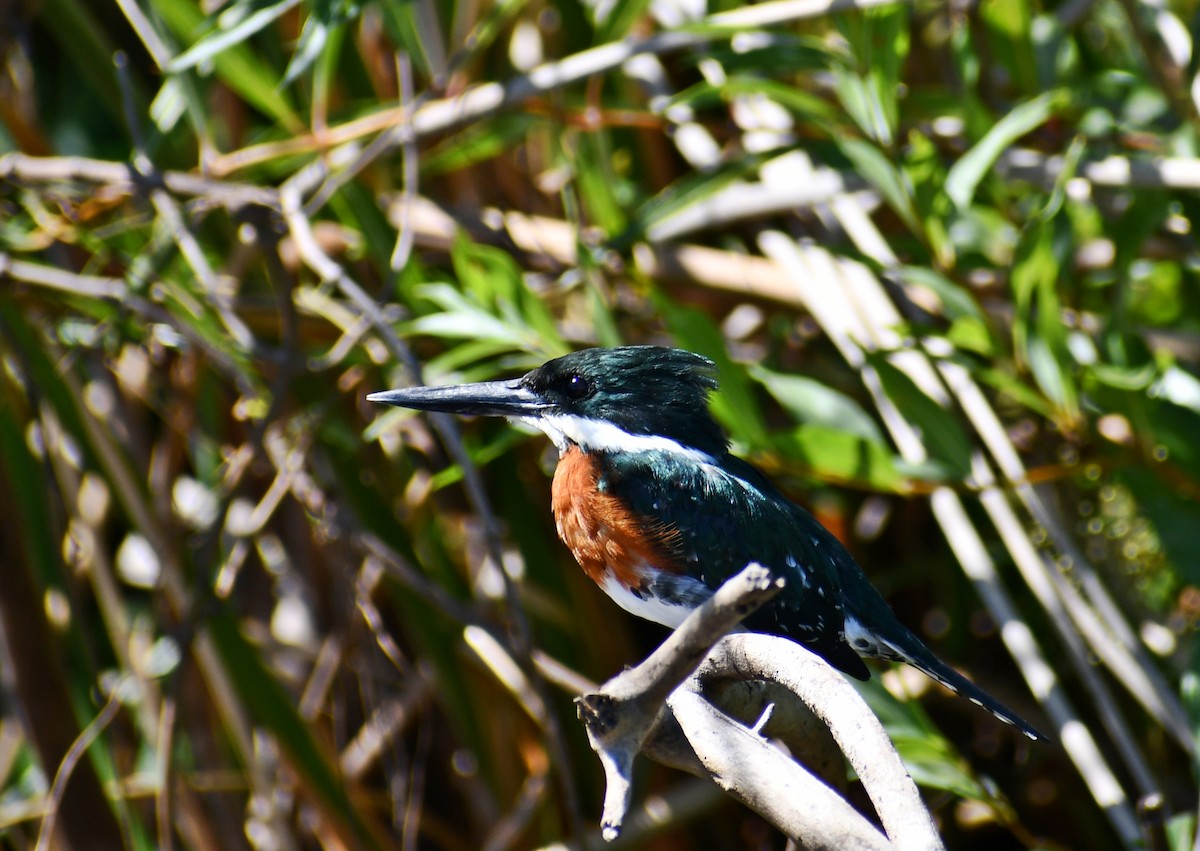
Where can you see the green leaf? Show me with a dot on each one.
(328, 18)
(810, 401)
(735, 405)
(490, 21)
(868, 82)
(929, 757)
(462, 319)
(481, 456)
(601, 316)
(1039, 336)
(874, 166)
(217, 42)
(1009, 26)
(941, 433)
(478, 143)
(1181, 830)
(597, 184)
(83, 42)
(970, 334)
(401, 22)
(236, 65)
(620, 18)
(836, 455)
(1016, 390)
(1144, 216)
(1173, 515)
(792, 98)
(1171, 435)
(956, 300)
(965, 175)
(498, 283)
(687, 191)
(476, 360)
(1123, 377)
(925, 174)
(796, 52)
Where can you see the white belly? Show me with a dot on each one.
(679, 596)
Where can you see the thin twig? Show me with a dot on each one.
(1113, 642)
(1050, 588)
(505, 668)
(1167, 65)
(1036, 574)
(545, 240)
(84, 493)
(486, 99)
(155, 46)
(169, 212)
(400, 135)
(410, 176)
(164, 799)
(1117, 172)
(745, 200)
(387, 720)
(321, 678)
(122, 176)
(563, 676)
(408, 575)
(364, 585)
(410, 819)
(509, 828)
(172, 582)
(75, 753)
(89, 286)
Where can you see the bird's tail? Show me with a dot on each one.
(905, 647)
(960, 685)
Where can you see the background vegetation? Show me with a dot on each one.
(943, 253)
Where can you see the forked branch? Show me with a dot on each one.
(660, 708)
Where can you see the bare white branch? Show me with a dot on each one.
(646, 709)
(621, 715)
(770, 782)
(676, 658)
(854, 726)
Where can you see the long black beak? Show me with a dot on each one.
(488, 398)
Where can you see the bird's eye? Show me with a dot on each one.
(577, 387)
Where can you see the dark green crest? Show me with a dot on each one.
(643, 390)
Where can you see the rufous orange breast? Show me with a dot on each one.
(604, 536)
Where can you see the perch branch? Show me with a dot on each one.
(621, 715)
(769, 781)
(838, 704)
(645, 709)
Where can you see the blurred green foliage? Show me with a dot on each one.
(222, 224)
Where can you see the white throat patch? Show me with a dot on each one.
(592, 434)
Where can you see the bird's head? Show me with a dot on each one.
(614, 399)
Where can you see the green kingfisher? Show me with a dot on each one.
(659, 513)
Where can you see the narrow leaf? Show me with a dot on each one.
(221, 40)
(966, 174)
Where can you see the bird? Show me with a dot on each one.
(659, 512)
